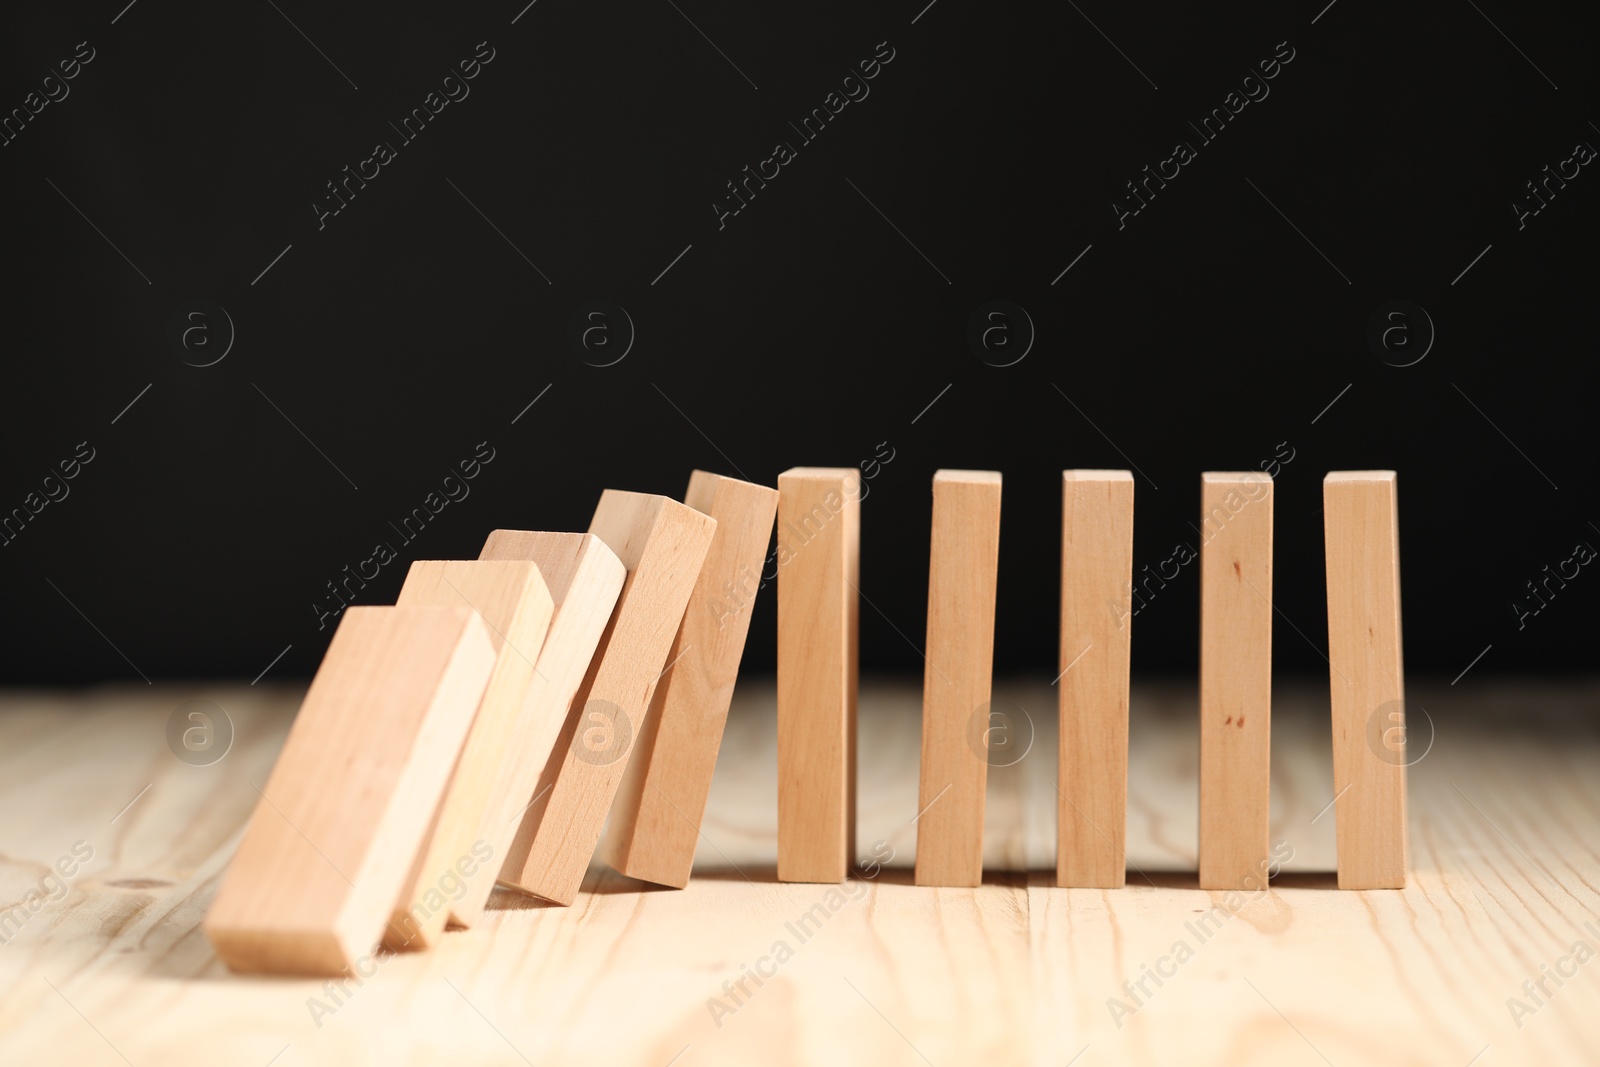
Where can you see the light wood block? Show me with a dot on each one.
(1369, 740)
(343, 815)
(585, 579)
(963, 561)
(511, 599)
(1235, 679)
(663, 544)
(655, 820)
(1096, 630)
(819, 574)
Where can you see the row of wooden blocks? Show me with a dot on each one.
(566, 691)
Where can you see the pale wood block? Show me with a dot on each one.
(585, 579)
(663, 544)
(1096, 630)
(819, 572)
(1235, 679)
(963, 562)
(1369, 742)
(655, 820)
(511, 599)
(358, 781)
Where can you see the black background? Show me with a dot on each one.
(381, 349)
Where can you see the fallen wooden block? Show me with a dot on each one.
(663, 544)
(584, 578)
(655, 820)
(1368, 683)
(1096, 630)
(511, 599)
(343, 814)
(963, 563)
(819, 568)
(1235, 679)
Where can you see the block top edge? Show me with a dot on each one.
(1360, 476)
(954, 475)
(1090, 474)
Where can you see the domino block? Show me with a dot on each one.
(1367, 677)
(819, 570)
(511, 599)
(663, 544)
(959, 661)
(1096, 630)
(1235, 679)
(585, 579)
(343, 814)
(655, 820)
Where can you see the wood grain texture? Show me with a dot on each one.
(1096, 630)
(663, 544)
(819, 575)
(585, 579)
(342, 817)
(511, 599)
(655, 820)
(1235, 678)
(964, 555)
(1367, 676)
(1505, 874)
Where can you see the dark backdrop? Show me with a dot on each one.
(1211, 330)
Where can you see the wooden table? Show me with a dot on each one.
(1505, 820)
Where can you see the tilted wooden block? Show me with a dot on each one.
(655, 821)
(344, 812)
(1235, 679)
(963, 566)
(819, 570)
(1096, 629)
(511, 599)
(663, 544)
(1366, 672)
(584, 578)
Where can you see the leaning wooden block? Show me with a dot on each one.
(356, 786)
(655, 821)
(962, 572)
(663, 544)
(511, 599)
(819, 569)
(1369, 739)
(1235, 679)
(584, 578)
(1096, 628)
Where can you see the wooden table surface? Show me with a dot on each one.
(1505, 820)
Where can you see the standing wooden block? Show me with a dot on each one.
(1369, 740)
(655, 821)
(1096, 629)
(963, 565)
(819, 571)
(511, 599)
(663, 544)
(344, 812)
(1235, 679)
(584, 578)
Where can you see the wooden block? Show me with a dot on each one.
(963, 561)
(584, 578)
(1096, 629)
(819, 572)
(343, 814)
(511, 599)
(1369, 741)
(655, 820)
(663, 544)
(1235, 679)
